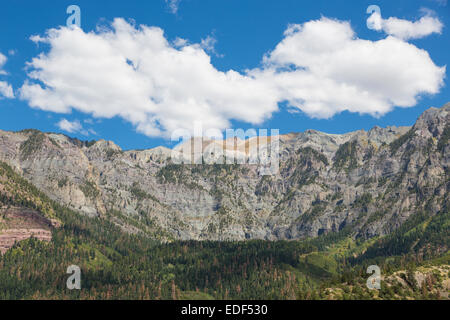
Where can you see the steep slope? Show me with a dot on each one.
(18, 224)
(370, 182)
(24, 213)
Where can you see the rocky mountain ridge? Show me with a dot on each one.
(370, 182)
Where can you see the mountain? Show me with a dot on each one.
(371, 182)
(130, 219)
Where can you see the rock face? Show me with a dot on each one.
(370, 182)
(17, 224)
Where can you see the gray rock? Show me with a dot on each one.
(370, 182)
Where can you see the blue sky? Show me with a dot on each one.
(243, 32)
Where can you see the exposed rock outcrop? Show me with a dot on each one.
(369, 181)
(17, 224)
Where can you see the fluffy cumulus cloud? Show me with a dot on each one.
(322, 68)
(138, 75)
(73, 127)
(405, 29)
(319, 67)
(6, 90)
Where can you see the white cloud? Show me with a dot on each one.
(326, 69)
(173, 5)
(6, 89)
(69, 126)
(209, 45)
(405, 29)
(138, 75)
(3, 60)
(180, 42)
(73, 127)
(320, 68)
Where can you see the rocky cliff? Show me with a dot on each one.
(17, 224)
(368, 182)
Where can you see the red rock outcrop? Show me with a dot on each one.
(18, 224)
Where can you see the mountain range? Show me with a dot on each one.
(143, 227)
(370, 181)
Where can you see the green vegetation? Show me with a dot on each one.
(18, 191)
(195, 295)
(363, 201)
(396, 144)
(377, 215)
(171, 173)
(308, 153)
(382, 181)
(89, 189)
(63, 182)
(140, 194)
(419, 234)
(178, 174)
(306, 180)
(81, 143)
(338, 195)
(33, 144)
(443, 141)
(345, 157)
(112, 153)
(316, 210)
(263, 186)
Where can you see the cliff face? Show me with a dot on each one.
(370, 182)
(17, 224)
